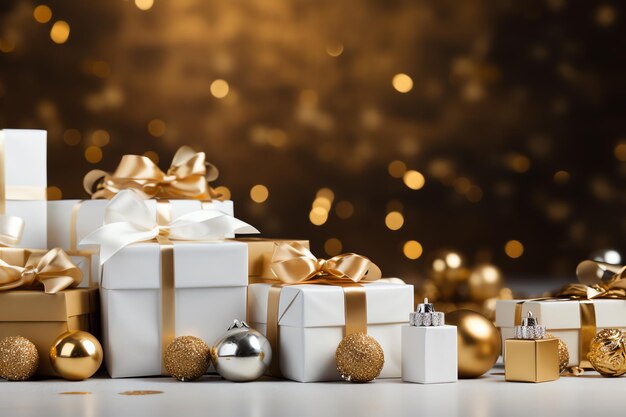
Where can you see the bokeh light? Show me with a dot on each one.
(394, 220)
(333, 246)
(60, 32)
(514, 249)
(42, 13)
(259, 193)
(413, 179)
(157, 128)
(219, 88)
(144, 4)
(412, 249)
(93, 154)
(402, 83)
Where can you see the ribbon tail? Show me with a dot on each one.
(207, 225)
(53, 285)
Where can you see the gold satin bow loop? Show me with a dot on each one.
(597, 280)
(292, 263)
(55, 270)
(187, 178)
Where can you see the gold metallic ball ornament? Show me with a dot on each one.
(563, 352)
(18, 358)
(485, 281)
(478, 342)
(607, 353)
(186, 358)
(359, 358)
(76, 355)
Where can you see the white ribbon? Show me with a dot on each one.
(127, 220)
(11, 230)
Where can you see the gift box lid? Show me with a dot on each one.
(310, 305)
(196, 265)
(25, 160)
(36, 305)
(563, 314)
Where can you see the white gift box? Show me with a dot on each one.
(562, 319)
(25, 180)
(210, 291)
(312, 320)
(429, 354)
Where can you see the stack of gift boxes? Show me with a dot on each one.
(159, 261)
(152, 255)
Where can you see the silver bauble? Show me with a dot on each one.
(242, 354)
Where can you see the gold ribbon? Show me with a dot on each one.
(168, 285)
(55, 270)
(292, 264)
(596, 280)
(187, 178)
(73, 250)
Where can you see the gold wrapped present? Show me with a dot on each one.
(34, 301)
(41, 317)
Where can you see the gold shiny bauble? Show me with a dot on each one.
(485, 281)
(359, 358)
(563, 352)
(607, 352)
(76, 355)
(478, 342)
(18, 358)
(186, 358)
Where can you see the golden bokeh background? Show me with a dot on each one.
(395, 129)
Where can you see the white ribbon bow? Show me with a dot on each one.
(127, 220)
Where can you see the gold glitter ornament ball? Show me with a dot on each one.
(187, 358)
(18, 358)
(607, 353)
(359, 358)
(563, 352)
(76, 355)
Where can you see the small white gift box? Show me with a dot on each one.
(25, 181)
(210, 291)
(311, 325)
(562, 318)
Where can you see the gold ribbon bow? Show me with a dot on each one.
(293, 264)
(187, 178)
(55, 270)
(597, 280)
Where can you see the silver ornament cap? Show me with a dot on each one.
(426, 315)
(530, 328)
(242, 354)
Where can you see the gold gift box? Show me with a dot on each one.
(531, 360)
(260, 252)
(42, 317)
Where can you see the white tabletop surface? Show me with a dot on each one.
(489, 395)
